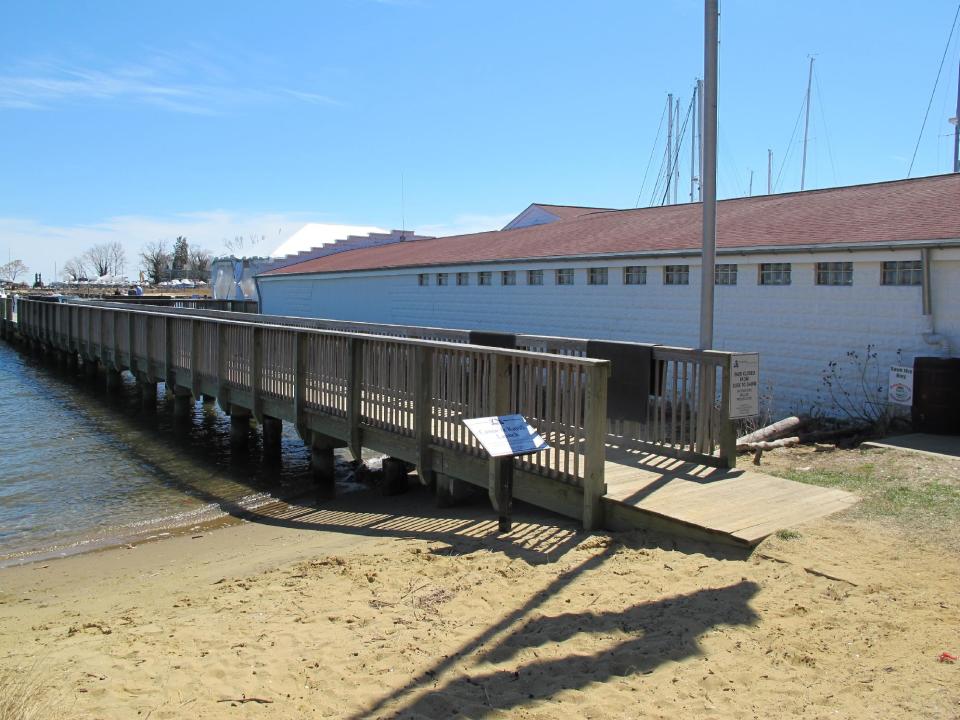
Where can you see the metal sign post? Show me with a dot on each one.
(504, 438)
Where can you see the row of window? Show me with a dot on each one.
(894, 272)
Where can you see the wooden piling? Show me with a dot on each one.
(272, 434)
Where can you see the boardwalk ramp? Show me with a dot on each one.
(739, 507)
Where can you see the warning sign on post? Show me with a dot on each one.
(744, 385)
(900, 390)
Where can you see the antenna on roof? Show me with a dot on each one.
(403, 209)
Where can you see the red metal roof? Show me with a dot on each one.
(919, 209)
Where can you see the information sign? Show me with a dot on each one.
(900, 387)
(506, 435)
(744, 385)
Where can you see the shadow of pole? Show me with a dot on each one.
(666, 630)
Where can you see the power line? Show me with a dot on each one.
(934, 91)
(826, 132)
(786, 155)
(650, 159)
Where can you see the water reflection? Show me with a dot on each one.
(79, 465)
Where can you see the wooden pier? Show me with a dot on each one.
(404, 391)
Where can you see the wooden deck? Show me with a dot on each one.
(739, 507)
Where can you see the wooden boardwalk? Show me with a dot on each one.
(389, 389)
(710, 503)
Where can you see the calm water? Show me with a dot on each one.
(80, 468)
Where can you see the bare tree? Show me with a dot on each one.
(98, 259)
(105, 258)
(73, 269)
(154, 260)
(199, 265)
(118, 258)
(12, 270)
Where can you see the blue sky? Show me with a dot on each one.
(138, 121)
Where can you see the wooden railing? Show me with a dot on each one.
(244, 306)
(404, 397)
(687, 415)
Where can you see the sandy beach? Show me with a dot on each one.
(388, 607)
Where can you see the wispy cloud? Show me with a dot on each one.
(465, 224)
(40, 244)
(195, 86)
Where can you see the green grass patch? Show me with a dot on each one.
(857, 480)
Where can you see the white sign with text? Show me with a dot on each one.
(744, 385)
(900, 386)
(506, 435)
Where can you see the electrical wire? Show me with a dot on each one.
(650, 159)
(826, 132)
(933, 92)
(786, 155)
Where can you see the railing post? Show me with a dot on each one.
(131, 347)
(167, 348)
(116, 345)
(423, 410)
(355, 396)
(194, 360)
(299, 363)
(728, 428)
(499, 469)
(256, 367)
(595, 430)
(221, 360)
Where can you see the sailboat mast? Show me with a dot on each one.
(693, 142)
(669, 146)
(699, 139)
(676, 161)
(956, 129)
(806, 129)
(769, 171)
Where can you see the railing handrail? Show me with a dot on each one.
(262, 323)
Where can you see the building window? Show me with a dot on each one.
(564, 276)
(902, 272)
(463, 278)
(774, 273)
(508, 277)
(725, 274)
(534, 277)
(676, 274)
(834, 273)
(485, 277)
(597, 276)
(443, 279)
(635, 275)
(424, 279)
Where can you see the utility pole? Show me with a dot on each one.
(806, 128)
(669, 145)
(709, 176)
(769, 171)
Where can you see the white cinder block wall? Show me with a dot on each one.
(797, 329)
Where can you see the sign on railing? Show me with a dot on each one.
(744, 385)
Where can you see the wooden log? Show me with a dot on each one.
(769, 444)
(781, 427)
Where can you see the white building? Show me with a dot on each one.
(802, 278)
